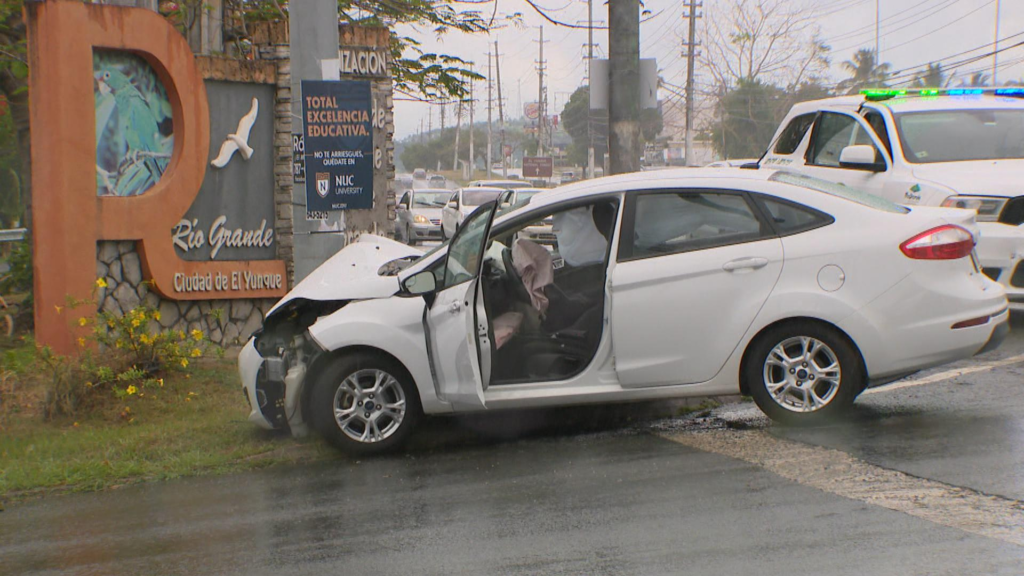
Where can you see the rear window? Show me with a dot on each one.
(839, 190)
(791, 137)
(477, 197)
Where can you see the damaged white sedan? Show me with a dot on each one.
(668, 284)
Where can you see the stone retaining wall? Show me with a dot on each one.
(119, 264)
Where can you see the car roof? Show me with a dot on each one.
(914, 103)
(431, 190)
(635, 181)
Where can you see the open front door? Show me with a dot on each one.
(457, 326)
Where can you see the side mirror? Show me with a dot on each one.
(860, 157)
(420, 283)
(454, 204)
(404, 204)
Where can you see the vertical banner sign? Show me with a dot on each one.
(338, 137)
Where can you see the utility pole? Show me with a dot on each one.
(590, 84)
(691, 56)
(458, 132)
(443, 106)
(624, 97)
(490, 84)
(995, 50)
(501, 110)
(540, 97)
(878, 21)
(472, 127)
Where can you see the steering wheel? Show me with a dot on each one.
(518, 287)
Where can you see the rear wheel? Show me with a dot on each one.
(364, 404)
(803, 373)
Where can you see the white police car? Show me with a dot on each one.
(959, 148)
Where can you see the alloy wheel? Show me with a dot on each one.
(802, 374)
(369, 405)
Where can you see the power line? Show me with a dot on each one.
(957, 21)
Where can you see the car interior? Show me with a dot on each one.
(545, 302)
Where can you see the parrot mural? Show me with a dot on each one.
(134, 136)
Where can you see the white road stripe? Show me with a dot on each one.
(839, 473)
(947, 375)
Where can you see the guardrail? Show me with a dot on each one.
(13, 235)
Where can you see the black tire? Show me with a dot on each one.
(325, 391)
(837, 347)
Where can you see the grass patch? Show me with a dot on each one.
(193, 425)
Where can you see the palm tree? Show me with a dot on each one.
(976, 80)
(864, 71)
(931, 77)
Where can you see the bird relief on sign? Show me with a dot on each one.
(134, 128)
(239, 140)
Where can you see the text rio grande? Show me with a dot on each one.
(187, 235)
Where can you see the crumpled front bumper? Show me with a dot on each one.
(1001, 255)
(273, 390)
(249, 363)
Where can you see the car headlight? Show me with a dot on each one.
(421, 219)
(987, 207)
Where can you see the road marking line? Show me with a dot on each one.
(947, 375)
(839, 473)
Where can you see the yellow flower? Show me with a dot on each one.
(136, 322)
(197, 334)
(75, 424)
(196, 353)
(193, 394)
(144, 339)
(188, 399)
(110, 323)
(131, 390)
(160, 382)
(101, 283)
(119, 344)
(83, 321)
(57, 308)
(181, 334)
(156, 315)
(127, 409)
(184, 363)
(81, 341)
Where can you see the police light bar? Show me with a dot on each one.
(877, 94)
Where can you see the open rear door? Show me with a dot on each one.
(457, 325)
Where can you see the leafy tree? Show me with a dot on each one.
(748, 116)
(14, 89)
(865, 72)
(575, 117)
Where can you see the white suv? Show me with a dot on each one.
(959, 148)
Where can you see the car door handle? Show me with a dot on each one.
(745, 263)
(454, 307)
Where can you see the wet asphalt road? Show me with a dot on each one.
(583, 491)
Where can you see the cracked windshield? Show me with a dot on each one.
(512, 287)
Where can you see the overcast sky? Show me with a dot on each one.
(912, 33)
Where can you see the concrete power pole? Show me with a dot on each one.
(624, 98)
(691, 56)
(501, 110)
(540, 96)
(472, 126)
(995, 50)
(458, 132)
(590, 84)
(490, 84)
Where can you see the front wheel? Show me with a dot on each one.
(364, 404)
(803, 373)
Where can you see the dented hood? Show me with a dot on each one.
(351, 274)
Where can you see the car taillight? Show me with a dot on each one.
(943, 243)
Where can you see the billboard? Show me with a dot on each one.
(337, 133)
(537, 167)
